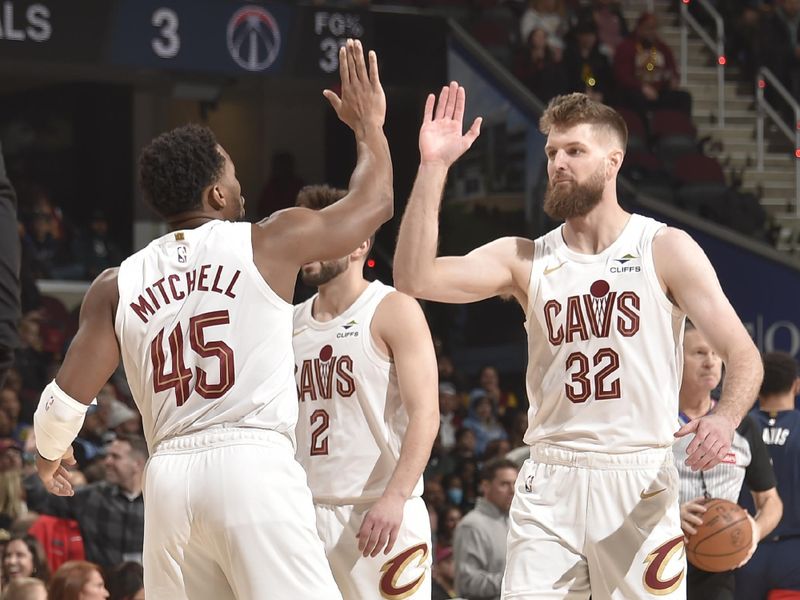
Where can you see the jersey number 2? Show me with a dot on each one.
(179, 376)
(319, 441)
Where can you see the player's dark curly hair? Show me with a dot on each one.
(177, 166)
(780, 372)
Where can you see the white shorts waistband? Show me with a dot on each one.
(223, 436)
(558, 455)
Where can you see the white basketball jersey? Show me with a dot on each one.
(351, 420)
(605, 353)
(205, 341)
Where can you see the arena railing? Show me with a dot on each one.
(763, 110)
(716, 46)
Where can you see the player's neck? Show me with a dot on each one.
(339, 294)
(776, 403)
(596, 231)
(189, 220)
(695, 405)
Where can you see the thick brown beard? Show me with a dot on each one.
(328, 270)
(575, 200)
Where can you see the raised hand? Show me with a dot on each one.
(363, 103)
(441, 140)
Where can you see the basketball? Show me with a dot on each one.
(724, 538)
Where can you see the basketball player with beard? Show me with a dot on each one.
(605, 296)
(369, 412)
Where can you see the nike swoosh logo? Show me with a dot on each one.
(297, 332)
(645, 495)
(556, 268)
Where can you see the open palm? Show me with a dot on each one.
(440, 138)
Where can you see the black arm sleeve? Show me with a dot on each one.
(759, 474)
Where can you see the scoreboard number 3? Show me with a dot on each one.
(168, 43)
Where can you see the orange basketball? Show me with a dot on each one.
(724, 538)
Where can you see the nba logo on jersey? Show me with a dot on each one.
(181, 254)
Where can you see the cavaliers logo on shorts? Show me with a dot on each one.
(657, 562)
(393, 569)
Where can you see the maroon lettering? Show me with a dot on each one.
(214, 286)
(628, 321)
(306, 386)
(152, 297)
(201, 283)
(143, 307)
(345, 382)
(553, 306)
(171, 280)
(576, 324)
(229, 292)
(191, 279)
(160, 285)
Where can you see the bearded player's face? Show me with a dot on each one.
(576, 169)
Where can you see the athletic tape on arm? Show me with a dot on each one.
(57, 421)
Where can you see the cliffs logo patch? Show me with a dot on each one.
(254, 38)
(347, 333)
(624, 264)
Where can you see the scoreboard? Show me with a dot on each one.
(212, 36)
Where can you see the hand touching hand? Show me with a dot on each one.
(381, 525)
(713, 435)
(363, 103)
(54, 475)
(441, 140)
(691, 515)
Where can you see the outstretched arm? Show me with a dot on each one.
(304, 235)
(693, 285)
(485, 272)
(91, 359)
(400, 325)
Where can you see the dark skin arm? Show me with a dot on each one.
(296, 236)
(91, 359)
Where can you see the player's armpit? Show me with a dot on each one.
(93, 355)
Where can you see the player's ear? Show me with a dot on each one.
(216, 197)
(614, 162)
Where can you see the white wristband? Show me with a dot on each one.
(57, 421)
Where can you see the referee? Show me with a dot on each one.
(748, 460)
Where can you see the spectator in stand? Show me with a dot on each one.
(30, 359)
(505, 402)
(587, 69)
(539, 68)
(480, 537)
(434, 496)
(12, 498)
(482, 420)
(611, 25)
(449, 415)
(550, 16)
(25, 588)
(779, 45)
(77, 580)
(443, 575)
(496, 449)
(110, 513)
(454, 489)
(645, 71)
(23, 556)
(126, 582)
(449, 518)
(466, 441)
(94, 249)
